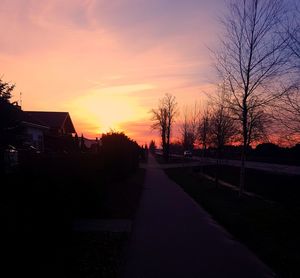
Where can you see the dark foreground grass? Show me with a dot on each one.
(96, 254)
(269, 229)
(38, 205)
(122, 197)
(83, 255)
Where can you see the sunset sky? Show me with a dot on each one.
(108, 62)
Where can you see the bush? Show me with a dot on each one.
(120, 155)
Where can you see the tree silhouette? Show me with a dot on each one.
(222, 128)
(164, 118)
(203, 130)
(120, 154)
(252, 63)
(189, 126)
(5, 90)
(288, 108)
(152, 147)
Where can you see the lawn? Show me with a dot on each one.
(270, 229)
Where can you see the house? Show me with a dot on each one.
(37, 129)
(59, 137)
(25, 134)
(19, 129)
(60, 123)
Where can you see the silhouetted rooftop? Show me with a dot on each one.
(11, 115)
(55, 120)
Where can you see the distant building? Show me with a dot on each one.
(93, 145)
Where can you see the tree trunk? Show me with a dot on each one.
(242, 172)
(167, 153)
(244, 149)
(168, 142)
(163, 139)
(217, 173)
(203, 156)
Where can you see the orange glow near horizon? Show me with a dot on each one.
(105, 63)
(105, 111)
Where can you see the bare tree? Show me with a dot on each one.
(222, 126)
(189, 127)
(287, 113)
(293, 30)
(164, 118)
(288, 108)
(203, 130)
(251, 62)
(188, 139)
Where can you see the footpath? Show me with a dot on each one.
(172, 236)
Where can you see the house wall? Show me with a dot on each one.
(35, 137)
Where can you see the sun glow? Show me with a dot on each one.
(105, 111)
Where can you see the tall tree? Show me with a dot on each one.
(222, 128)
(252, 62)
(164, 118)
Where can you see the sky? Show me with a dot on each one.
(108, 62)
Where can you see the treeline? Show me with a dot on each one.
(265, 152)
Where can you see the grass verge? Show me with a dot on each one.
(282, 188)
(269, 229)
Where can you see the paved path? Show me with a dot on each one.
(173, 237)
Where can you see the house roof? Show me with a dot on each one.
(11, 115)
(54, 120)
